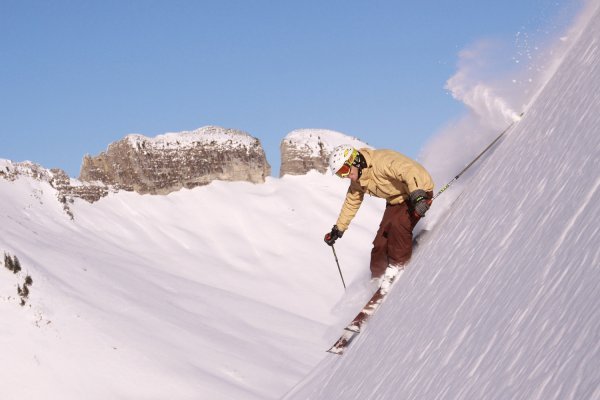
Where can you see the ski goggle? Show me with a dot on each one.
(345, 169)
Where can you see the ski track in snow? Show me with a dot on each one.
(587, 200)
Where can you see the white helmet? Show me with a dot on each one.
(341, 154)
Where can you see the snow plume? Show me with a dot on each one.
(494, 100)
(482, 99)
(546, 62)
(491, 108)
(492, 105)
(447, 154)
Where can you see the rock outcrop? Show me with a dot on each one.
(173, 161)
(71, 188)
(67, 189)
(303, 150)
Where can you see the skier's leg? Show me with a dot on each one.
(399, 241)
(379, 253)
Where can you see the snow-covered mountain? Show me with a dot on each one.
(502, 300)
(172, 161)
(227, 291)
(66, 188)
(303, 150)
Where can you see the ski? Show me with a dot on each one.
(354, 327)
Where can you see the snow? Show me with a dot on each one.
(227, 291)
(181, 296)
(313, 141)
(501, 302)
(205, 135)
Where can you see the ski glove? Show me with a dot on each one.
(334, 235)
(420, 201)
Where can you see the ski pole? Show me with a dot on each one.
(442, 190)
(338, 265)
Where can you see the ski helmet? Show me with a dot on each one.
(342, 155)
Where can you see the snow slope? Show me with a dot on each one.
(220, 292)
(502, 301)
(227, 291)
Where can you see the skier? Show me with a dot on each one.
(405, 185)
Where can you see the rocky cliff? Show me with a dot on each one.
(173, 161)
(303, 150)
(66, 188)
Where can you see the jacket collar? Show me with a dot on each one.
(366, 172)
(368, 155)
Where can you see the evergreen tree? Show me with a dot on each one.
(25, 292)
(16, 265)
(8, 262)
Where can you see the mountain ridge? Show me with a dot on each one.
(175, 160)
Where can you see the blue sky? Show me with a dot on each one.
(78, 75)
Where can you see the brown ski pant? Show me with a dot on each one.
(393, 242)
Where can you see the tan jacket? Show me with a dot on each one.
(388, 175)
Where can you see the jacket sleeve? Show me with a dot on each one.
(354, 198)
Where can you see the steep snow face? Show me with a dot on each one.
(501, 302)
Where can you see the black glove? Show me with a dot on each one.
(332, 236)
(420, 202)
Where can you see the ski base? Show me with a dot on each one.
(354, 327)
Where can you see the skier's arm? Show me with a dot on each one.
(352, 203)
(418, 182)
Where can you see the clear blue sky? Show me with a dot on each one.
(78, 75)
